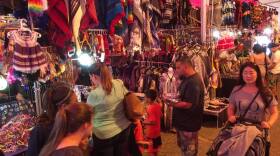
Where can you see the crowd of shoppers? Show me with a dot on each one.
(66, 127)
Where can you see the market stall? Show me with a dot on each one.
(43, 41)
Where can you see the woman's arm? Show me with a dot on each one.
(231, 113)
(274, 115)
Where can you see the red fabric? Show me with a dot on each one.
(196, 3)
(59, 29)
(114, 22)
(107, 50)
(154, 115)
(225, 43)
(90, 17)
(138, 131)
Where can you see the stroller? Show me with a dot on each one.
(259, 147)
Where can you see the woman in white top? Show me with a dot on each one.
(259, 58)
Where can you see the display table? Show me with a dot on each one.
(20, 152)
(220, 114)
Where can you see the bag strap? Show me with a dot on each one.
(249, 106)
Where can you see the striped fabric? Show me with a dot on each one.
(28, 56)
(74, 6)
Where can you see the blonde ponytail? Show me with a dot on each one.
(106, 79)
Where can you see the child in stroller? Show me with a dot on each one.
(247, 131)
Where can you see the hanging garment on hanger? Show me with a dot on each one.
(225, 43)
(228, 11)
(217, 14)
(167, 11)
(59, 29)
(274, 22)
(257, 15)
(195, 3)
(169, 84)
(28, 56)
(246, 15)
(107, 50)
(114, 14)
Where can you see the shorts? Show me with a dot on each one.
(156, 143)
(187, 142)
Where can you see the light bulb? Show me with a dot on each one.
(3, 83)
(85, 60)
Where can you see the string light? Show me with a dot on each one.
(85, 59)
(216, 34)
(268, 31)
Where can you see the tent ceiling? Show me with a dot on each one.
(274, 3)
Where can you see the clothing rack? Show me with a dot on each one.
(190, 29)
(98, 31)
(152, 62)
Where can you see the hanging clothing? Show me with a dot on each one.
(225, 43)
(114, 14)
(167, 11)
(246, 15)
(28, 56)
(59, 29)
(168, 84)
(228, 11)
(257, 15)
(195, 3)
(217, 13)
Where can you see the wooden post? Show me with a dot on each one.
(203, 17)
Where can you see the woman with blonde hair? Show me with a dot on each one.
(111, 127)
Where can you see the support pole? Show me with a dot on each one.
(203, 16)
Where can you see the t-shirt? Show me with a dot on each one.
(68, 151)
(154, 114)
(191, 90)
(109, 116)
(276, 59)
(241, 100)
(38, 138)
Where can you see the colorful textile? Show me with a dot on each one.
(228, 11)
(246, 15)
(115, 12)
(195, 3)
(129, 12)
(37, 7)
(167, 11)
(28, 56)
(225, 43)
(59, 28)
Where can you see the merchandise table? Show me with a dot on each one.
(220, 114)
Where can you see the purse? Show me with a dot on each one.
(133, 107)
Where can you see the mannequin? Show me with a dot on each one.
(170, 85)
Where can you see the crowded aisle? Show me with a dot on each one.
(139, 77)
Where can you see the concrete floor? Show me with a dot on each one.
(207, 134)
